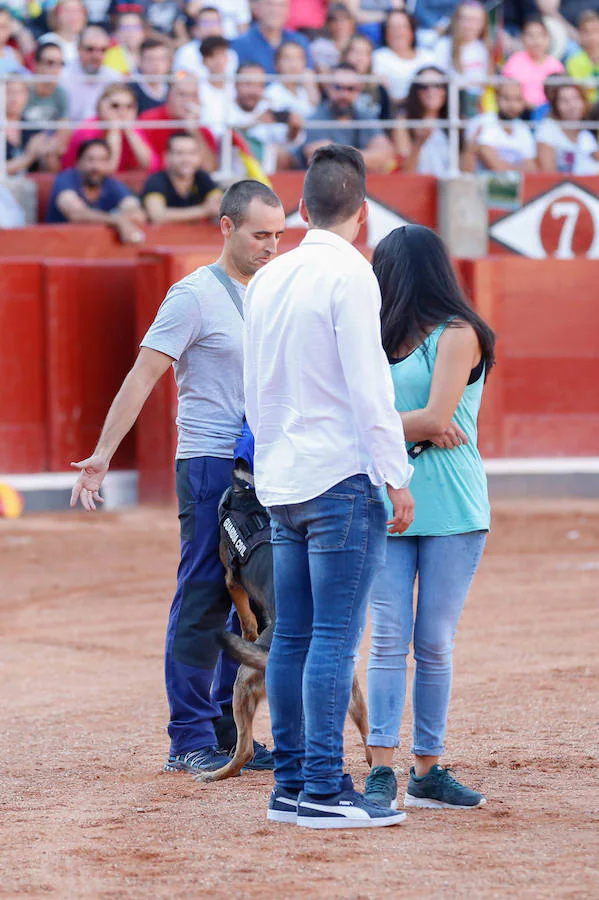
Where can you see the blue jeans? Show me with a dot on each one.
(445, 567)
(199, 611)
(326, 553)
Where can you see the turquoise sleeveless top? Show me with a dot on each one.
(449, 486)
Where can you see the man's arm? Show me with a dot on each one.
(356, 316)
(160, 214)
(149, 366)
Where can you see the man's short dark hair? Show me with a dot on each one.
(39, 50)
(238, 197)
(335, 185)
(152, 43)
(176, 135)
(211, 45)
(84, 147)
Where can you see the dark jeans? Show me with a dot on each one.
(326, 553)
(199, 611)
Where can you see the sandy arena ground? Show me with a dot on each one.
(85, 811)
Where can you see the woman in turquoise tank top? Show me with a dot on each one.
(440, 353)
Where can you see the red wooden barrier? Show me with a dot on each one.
(90, 334)
(542, 399)
(22, 389)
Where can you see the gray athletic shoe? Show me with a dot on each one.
(440, 790)
(381, 787)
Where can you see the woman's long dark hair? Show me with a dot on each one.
(420, 291)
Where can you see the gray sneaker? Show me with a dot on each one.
(440, 790)
(381, 787)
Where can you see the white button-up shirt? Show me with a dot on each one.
(318, 390)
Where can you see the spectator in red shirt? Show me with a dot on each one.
(128, 146)
(182, 103)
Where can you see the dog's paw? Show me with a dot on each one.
(205, 777)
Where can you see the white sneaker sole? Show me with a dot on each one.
(276, 815)
(425, 803)
(342, 822)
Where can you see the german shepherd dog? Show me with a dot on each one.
(247, 559)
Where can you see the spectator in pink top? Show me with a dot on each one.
(532, 65)
(128, 146)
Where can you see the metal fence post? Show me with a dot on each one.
(453, 112)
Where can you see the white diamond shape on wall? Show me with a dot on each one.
(521, 231)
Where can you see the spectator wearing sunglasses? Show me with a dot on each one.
(128, 146)
(342, 106)
(47, 101)
(425, 150)
(84, 93)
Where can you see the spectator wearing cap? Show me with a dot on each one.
(87, 194)
(84, 92)
(127, 144)
(124, 55)
(182, 192)
(340, 28)
(341, 105)
(503, 142)
(585, 64)
(188, 58)
(263, 38)
(154, 64)
(10, 62)
(533, 65)
(399, 58)
(182, 105)
(67, 21)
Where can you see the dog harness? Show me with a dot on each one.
(244, 522)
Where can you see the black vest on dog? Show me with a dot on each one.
(243, 521)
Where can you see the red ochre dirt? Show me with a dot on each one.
(85, 811)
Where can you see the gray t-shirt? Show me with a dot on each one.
(198, 325)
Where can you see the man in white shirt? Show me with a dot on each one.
(84, 92)
(319, 400)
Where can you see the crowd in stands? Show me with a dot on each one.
(117, 70)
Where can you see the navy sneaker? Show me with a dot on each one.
(208, 759)
(381, 787)
(347, 809)
(440, 790)
(282, 806)
(261, 761)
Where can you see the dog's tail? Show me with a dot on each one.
(244, 651)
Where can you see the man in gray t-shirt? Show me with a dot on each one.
(198, 330)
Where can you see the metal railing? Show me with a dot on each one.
(454, 123)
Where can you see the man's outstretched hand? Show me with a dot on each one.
(87, 487)
(403, 509)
